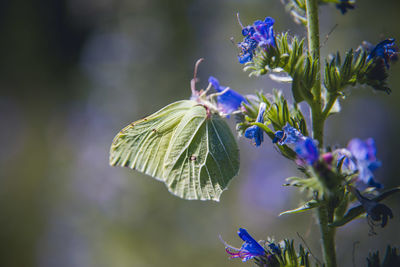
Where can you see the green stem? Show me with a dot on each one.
(313, 49)
(328, 236)
(331, 100)
(324, 212)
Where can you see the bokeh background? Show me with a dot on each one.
(73, 73)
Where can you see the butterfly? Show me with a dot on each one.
(185, 145)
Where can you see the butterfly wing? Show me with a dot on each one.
(142, 144)
(202, 158)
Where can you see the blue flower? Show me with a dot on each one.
(288, 135)
(386, 51)
(364, 153)
(248, 250)
(275, 249)
(260, 34)
(381, 56)
(255, 132)
(230, 100)
(247, 46)
(344, 5)
(264, 33)
(307, 150)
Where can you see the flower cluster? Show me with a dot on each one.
(260, 34)
(359, 156)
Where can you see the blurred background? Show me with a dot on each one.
(73, 73)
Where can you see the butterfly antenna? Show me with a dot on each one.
(194, 80)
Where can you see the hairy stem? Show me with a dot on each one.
(328, 236)
(331, 101)
(324, 212)
(313, 49)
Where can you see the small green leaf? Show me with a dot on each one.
(306, 206)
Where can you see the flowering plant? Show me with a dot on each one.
(188, 147)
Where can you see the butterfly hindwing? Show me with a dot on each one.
(203, 157)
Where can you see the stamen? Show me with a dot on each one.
(238, 19)
(206, 91)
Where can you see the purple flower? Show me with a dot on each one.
(248, 250)
(230, 100)
(255, 132)
(260, 34)
(344, 5)
(288, 135)
(307, 150)
(364, 153)
(386, 51)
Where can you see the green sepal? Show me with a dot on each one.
(353, 70)
(283, 56)
(355, 212)
(292, 59)
(278, 113)
(304, 79)
(310, 183)
(288, 256)
(306, 206)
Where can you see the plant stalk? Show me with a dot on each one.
(313, 50)
(328, 236)
(324, 214)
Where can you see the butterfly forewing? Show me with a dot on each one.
(142, 144)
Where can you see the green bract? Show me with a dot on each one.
(191, 150)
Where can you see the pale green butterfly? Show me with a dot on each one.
(186, 144)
